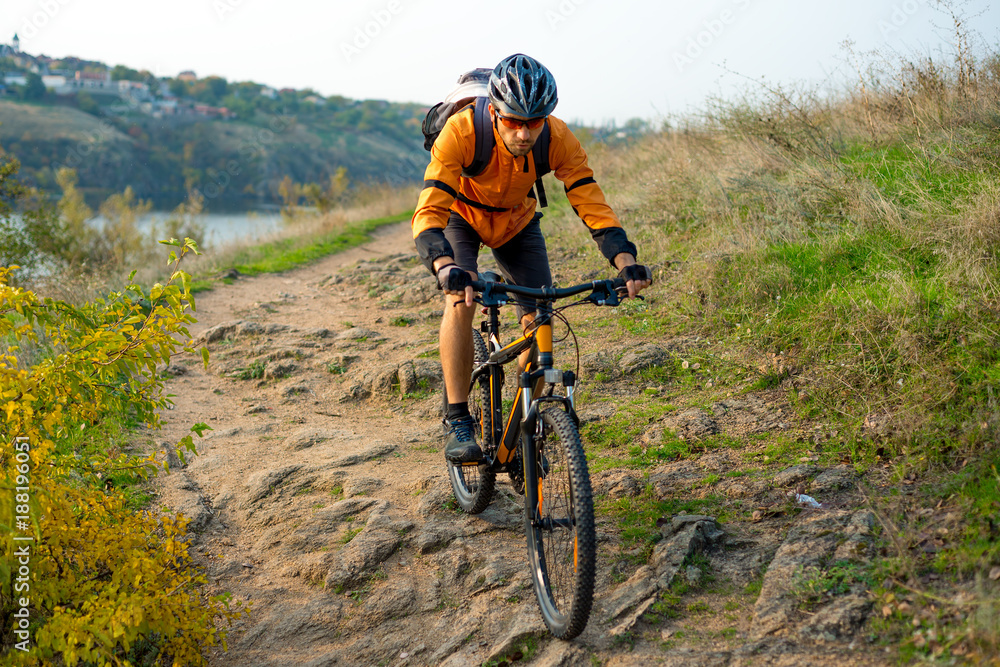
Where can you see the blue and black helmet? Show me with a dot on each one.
(522, 86)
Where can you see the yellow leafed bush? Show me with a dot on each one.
(107, 585)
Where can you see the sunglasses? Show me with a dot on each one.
(516, 124)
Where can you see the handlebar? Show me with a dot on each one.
(602, 292)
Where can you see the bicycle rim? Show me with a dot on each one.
(473, 485)
(562, 544)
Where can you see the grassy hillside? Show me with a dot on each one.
(847, 250)
(236, 164)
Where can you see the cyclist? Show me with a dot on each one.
(455, 215)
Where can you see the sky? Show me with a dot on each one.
(612, 60)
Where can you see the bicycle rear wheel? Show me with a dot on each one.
(473, 484)
(562, 544)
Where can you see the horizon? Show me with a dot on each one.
(685, 54)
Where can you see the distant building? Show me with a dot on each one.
(269, 93)
(11, 50)
(213, 112)
(187, 75)
(315, 99)
(54, 81)
(15, 80)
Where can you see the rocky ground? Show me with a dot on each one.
(321, 498)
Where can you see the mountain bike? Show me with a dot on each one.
(538, 445)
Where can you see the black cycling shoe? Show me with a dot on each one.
(461, 445)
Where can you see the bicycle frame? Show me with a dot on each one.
(522, 422)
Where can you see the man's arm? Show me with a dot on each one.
(569, 160)
(441, 183)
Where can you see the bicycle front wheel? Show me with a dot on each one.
(562, 544)
(473, 484)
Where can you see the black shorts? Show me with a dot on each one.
(522, 260)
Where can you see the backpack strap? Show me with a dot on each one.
(540, 153)
(484, 139)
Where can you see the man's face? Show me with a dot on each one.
(518, 141)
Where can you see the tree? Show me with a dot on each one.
(74, 214)
(178, 88)
(87, 103)
(123, 73)
(121, 212)
(218, 86)
(34, 89)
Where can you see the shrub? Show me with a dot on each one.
(103, 579)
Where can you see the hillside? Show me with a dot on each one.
(236, 164)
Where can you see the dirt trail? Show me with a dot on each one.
(321, 497)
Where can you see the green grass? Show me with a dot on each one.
(915, 177)
(637, 516)
(114, 438)
(255, 371)
(285, 254)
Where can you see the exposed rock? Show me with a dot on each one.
(396, 600)
(279, 369)
(359, 333)
(175, 370)
(318, 333)
(795, 475)
(684, 536)
(429, 370)
(407, 377)
(363, 554)
(373, 452)
(220, 331)
(668, 478)
(294, 390)
(598, 362)
(356, 391)
(808, 547)
(384, 379)
(834, 479)
(841, 618)
(695, 424)
(360, 486)
(643, 357)
(309, 436)
(626, 487)
(275, 328)
(596, 413)
(526, 624)
(435, 535)
(262, 484)
(418, 292)
(245, 328)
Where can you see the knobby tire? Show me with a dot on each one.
(562, 548)
(473, 485)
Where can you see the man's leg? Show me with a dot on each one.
(456, 348)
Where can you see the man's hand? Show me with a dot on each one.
(456, 282)
(637, 277)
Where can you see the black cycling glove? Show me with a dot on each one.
(453, 279)
(636, 272)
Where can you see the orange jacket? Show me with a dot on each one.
(505, 184)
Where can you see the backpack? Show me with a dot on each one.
(472, 90)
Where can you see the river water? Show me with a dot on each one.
(222, 228)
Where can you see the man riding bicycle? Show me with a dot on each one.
(456, 214)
